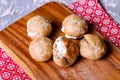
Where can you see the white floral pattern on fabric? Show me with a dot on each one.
(90, 10)
(9, 70)
(100, 20)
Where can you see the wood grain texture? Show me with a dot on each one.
(15, 41)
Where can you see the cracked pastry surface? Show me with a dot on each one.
(65, 52)
(38, 26)
(74, 26)
(41, 49)
(92, 47)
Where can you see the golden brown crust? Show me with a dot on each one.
(38, 26)
(41, 49)
(74, 25)
(92, 47)
(68, 56)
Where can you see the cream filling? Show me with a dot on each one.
(31, 34)
(61, 48)
(62, 29)
(73, 37)
(67, 36)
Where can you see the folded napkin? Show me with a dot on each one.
(94, 14)
(9, 70)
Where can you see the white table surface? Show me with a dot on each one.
(12, 10)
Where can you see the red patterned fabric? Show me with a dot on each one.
(9, 70)
(93, 13)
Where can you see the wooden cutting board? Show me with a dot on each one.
(15, 42)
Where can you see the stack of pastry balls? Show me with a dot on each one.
(63, 50)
